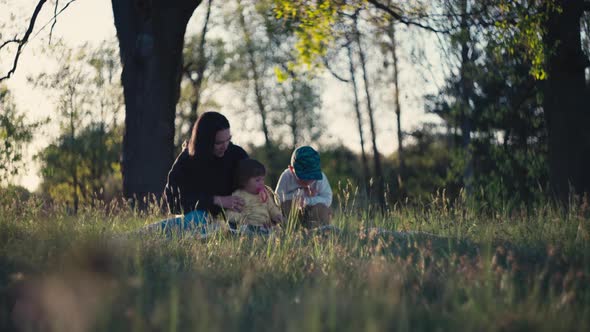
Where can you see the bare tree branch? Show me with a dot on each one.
(338, 77)
(54, 19)
(405, 20)
(475, 18)
(22, 42)
(10, 41)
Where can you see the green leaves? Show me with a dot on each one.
(312, 24)
(92, 156)
(520, 31)
(282, 75)
(83, 156)
(15, 133)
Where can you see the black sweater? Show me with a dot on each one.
(193, 181)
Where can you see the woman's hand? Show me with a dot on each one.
(229, 202)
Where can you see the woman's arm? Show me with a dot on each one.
(180, 196)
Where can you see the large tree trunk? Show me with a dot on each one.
(566, 108)
(151, 38)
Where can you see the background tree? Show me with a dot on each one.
(70, 84)
(299, 100)
(427, 157)
(390, 50)
(80, 163)
(378, 171)
(512, 64)
(195, 70)
(548, 33)
(341, 63)
(295, 97)
(359, 118)
(255, 71)
(284, 106)
(204, 73)
(460, 47)
(15, 134)
(566, 98)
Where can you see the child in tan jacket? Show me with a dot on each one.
(260, 212)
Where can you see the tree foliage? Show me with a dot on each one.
(288, 103)
(509, 123)
(84, 158)
(93, 155)
(15, 135)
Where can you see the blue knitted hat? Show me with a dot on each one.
(306, 163)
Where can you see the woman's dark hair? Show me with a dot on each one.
(204, 131)
(247, 169)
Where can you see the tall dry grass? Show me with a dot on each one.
(439, 265)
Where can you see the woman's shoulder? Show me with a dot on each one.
(237, 152)
(182, 157)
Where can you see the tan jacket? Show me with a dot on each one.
(255, 212)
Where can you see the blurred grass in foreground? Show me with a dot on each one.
(466, 269)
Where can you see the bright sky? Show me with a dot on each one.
(92, 21)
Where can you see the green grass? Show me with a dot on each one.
(469, 270)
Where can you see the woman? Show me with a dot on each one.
(201, 181)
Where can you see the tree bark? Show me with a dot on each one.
(290, 102)
(201, 66)
(376, 156)
(565, 102)
(73, 155)
(151, 39)
(257, 84)
(357, 110)
(466, 86)
(398, 109)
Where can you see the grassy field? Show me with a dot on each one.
(447, 266)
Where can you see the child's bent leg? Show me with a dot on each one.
(288, 207)
(317, 215)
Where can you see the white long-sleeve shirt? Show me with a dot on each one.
(288, 188)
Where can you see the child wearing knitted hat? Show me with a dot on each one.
(260, 211)
(305, 187)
